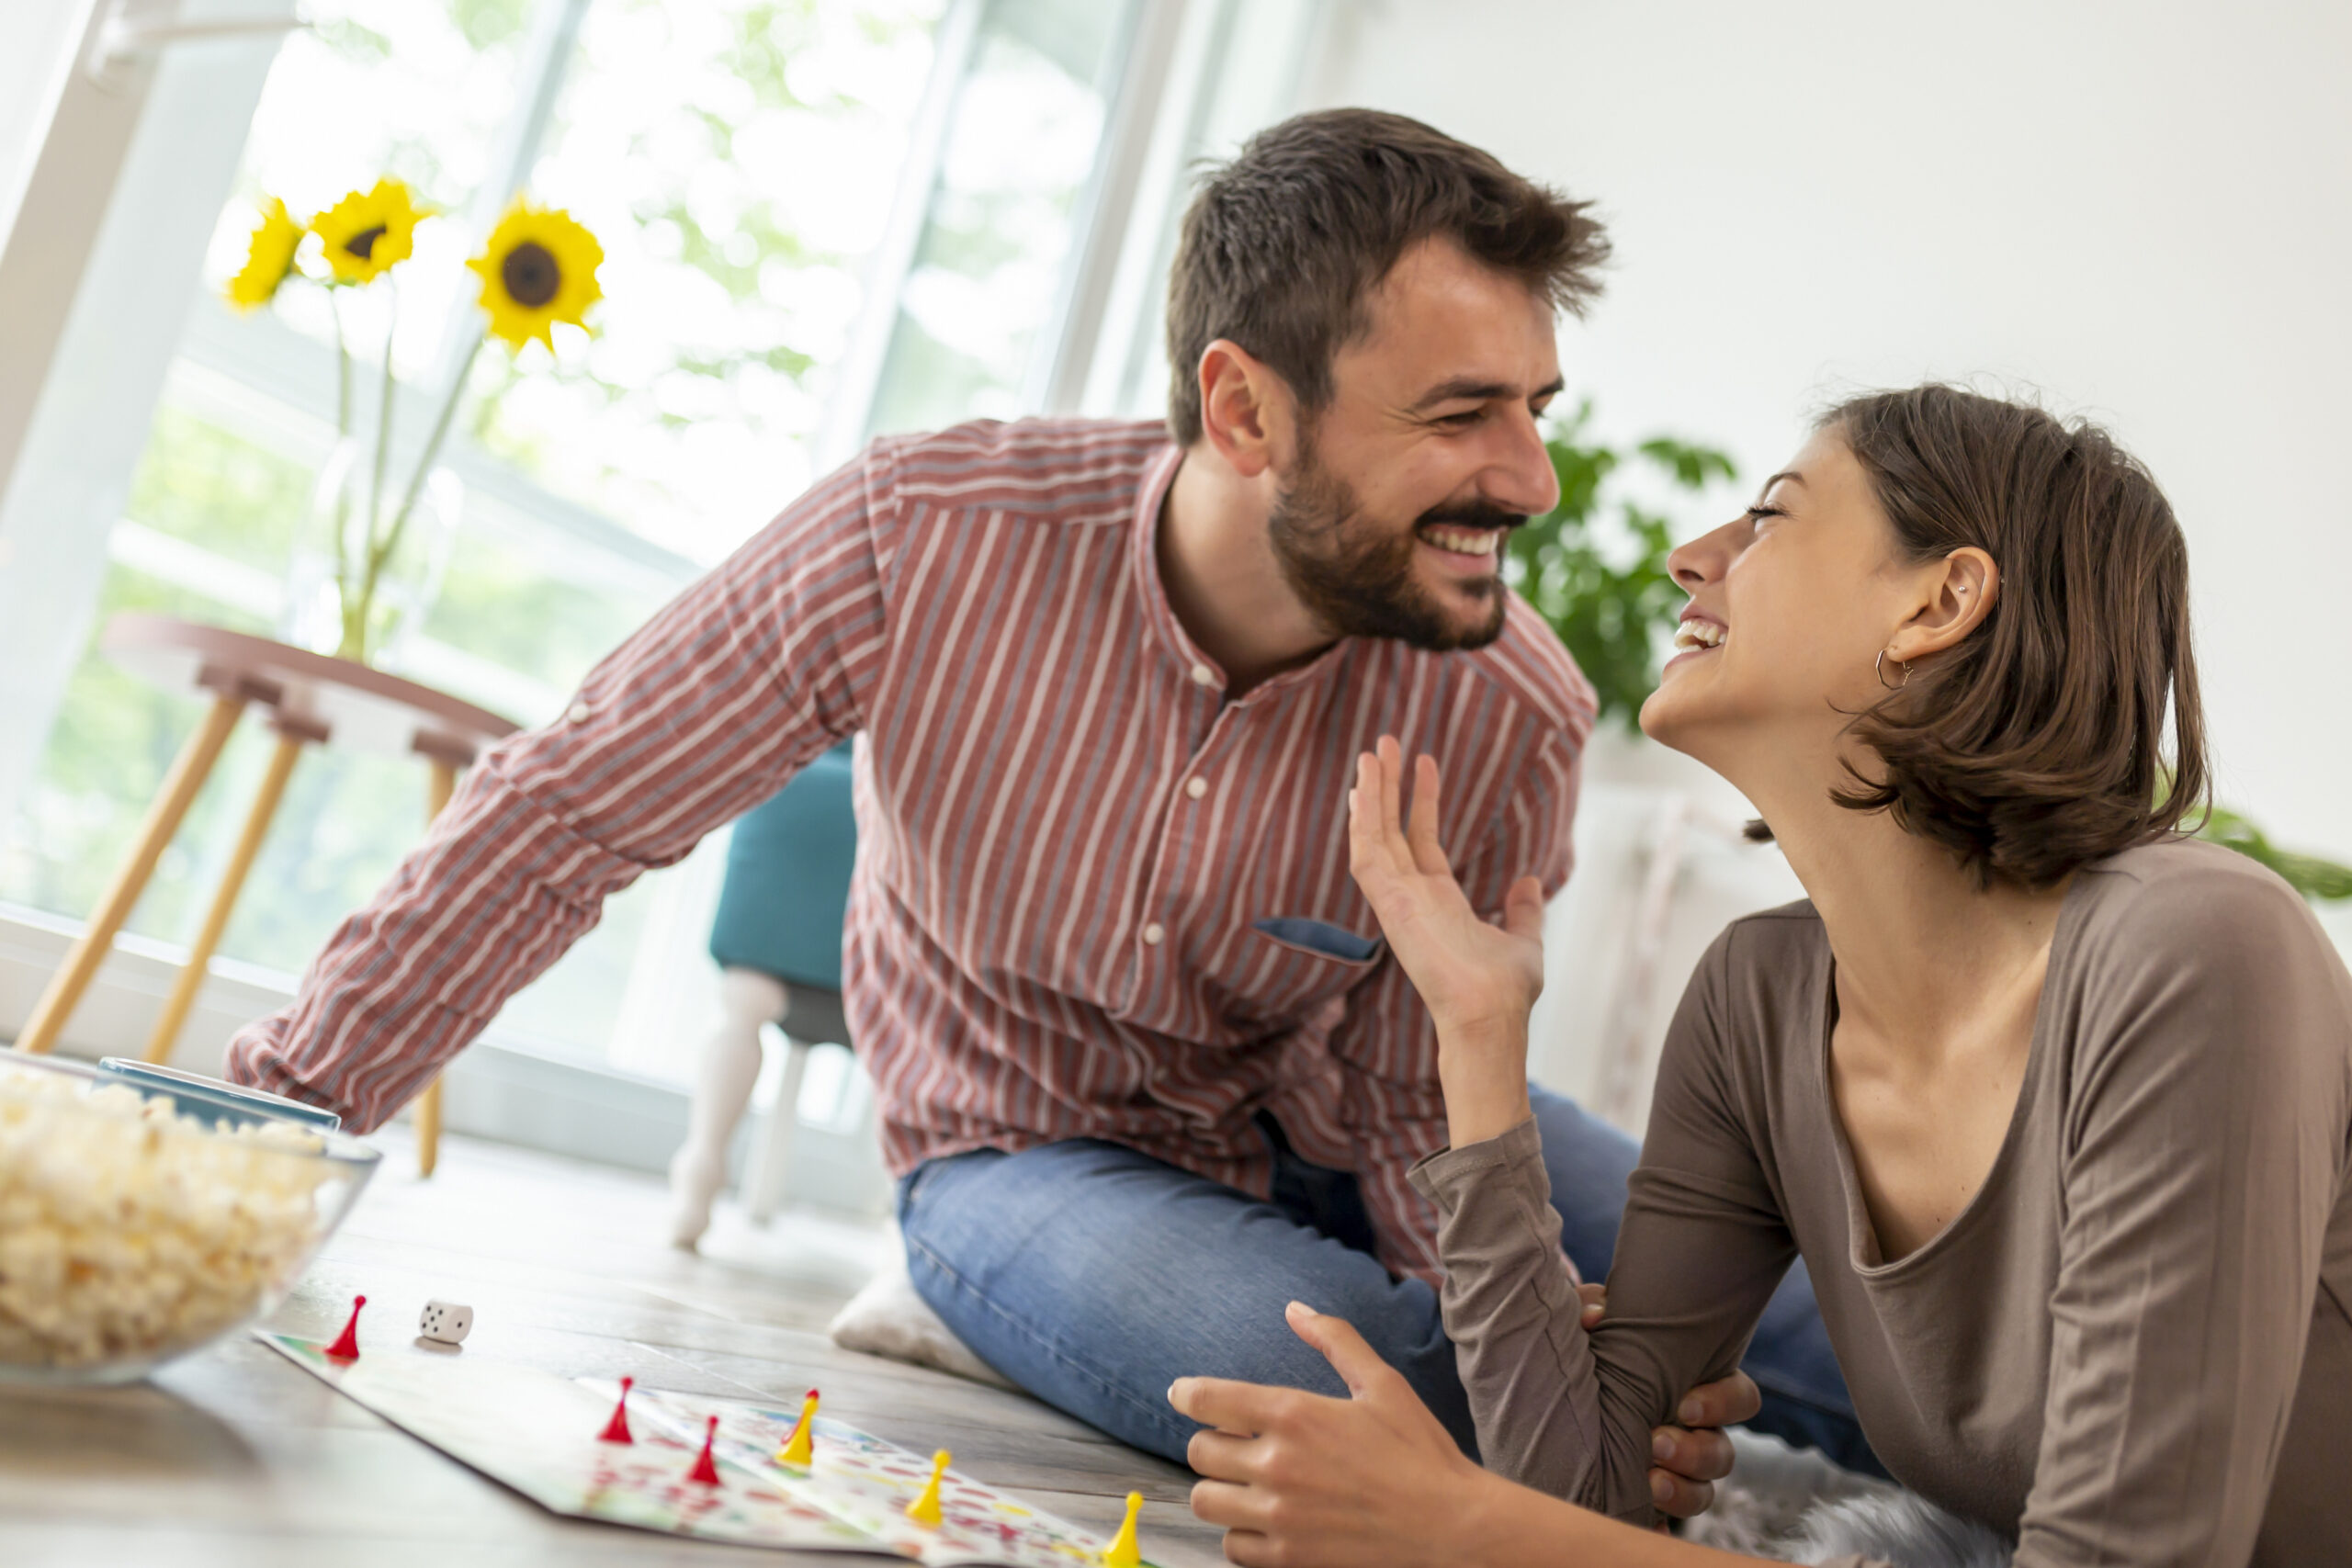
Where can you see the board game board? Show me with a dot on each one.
(538, 1433)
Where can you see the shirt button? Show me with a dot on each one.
(1203, 676)
(1197, 787)
(1152, 934)
(579, 712)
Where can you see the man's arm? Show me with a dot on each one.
(704, 713)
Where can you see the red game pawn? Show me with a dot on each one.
(346, 1345)
(616, 1429)
(705, 1472)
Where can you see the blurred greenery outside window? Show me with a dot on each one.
(740, 161)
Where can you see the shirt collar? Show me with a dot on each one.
(1159, 615)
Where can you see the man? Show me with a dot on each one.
(1146, 1070)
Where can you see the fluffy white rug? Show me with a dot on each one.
(1795, 1506)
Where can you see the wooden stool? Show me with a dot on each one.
(313, 700)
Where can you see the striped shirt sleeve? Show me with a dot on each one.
(704, 712)
(1390, 1102)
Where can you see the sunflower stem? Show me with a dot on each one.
(380, 553)
(355, 629)
(342, 511)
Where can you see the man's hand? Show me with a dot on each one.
(1695, 1455)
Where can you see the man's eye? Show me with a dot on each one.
(1461, 421)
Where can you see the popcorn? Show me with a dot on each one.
(129, 1232)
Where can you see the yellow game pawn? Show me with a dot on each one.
(1122, 1551)
(924, 1509)
(800, 1450)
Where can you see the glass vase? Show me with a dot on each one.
(369, 563)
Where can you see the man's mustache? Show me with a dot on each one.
(1470, 515)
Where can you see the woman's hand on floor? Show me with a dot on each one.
(1480, 981)
(1298, 1479)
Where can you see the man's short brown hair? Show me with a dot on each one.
(1283, 244)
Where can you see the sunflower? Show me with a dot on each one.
(365, 235)
(269, 260)
(539, 267)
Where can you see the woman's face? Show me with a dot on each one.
(1790, 604)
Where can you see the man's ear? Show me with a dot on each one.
(1958, 593)
(1245, 409)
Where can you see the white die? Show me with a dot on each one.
(446, 1321)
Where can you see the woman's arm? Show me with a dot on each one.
(1703, 1244)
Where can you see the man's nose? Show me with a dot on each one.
(1521, 477)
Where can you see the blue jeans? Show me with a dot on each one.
(1094, 1276)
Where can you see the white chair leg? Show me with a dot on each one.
(731, 1065)
(768, 1171)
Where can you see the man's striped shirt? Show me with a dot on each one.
(1071, 845)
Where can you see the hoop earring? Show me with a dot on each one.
(1878, 668)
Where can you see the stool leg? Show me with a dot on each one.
(190, 770)
(769, 1170)
(723, 1080)
(439, 786)
(224, 899)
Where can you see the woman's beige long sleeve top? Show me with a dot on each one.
(2132, 1346)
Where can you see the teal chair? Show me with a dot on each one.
(777, 940)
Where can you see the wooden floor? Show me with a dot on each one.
(236, 1457)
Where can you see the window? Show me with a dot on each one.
(740, 161)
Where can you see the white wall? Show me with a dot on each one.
(2143, 210)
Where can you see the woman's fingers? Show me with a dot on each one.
(1228, 1505)
(1595, 1301)
(1420, 834)
(1358, 1364)
(1523, 909)
(1392, 790)
(1222, 1456)
(1229, 1406)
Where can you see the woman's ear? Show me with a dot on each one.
(1959, 593)
(1244, 407)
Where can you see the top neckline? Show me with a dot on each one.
(1863, 1253)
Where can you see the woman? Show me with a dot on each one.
(2054, 1101)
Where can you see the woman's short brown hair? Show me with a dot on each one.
(2036, 745)
(1281, 246)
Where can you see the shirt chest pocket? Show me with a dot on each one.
(1292, 967)
(1323, 939)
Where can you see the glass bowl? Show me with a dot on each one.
(136, 1226)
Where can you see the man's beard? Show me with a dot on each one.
(1358, 581)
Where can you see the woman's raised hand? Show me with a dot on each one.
(1480, 981)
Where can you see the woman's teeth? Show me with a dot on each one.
(1463, 541)
(1699, 634)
